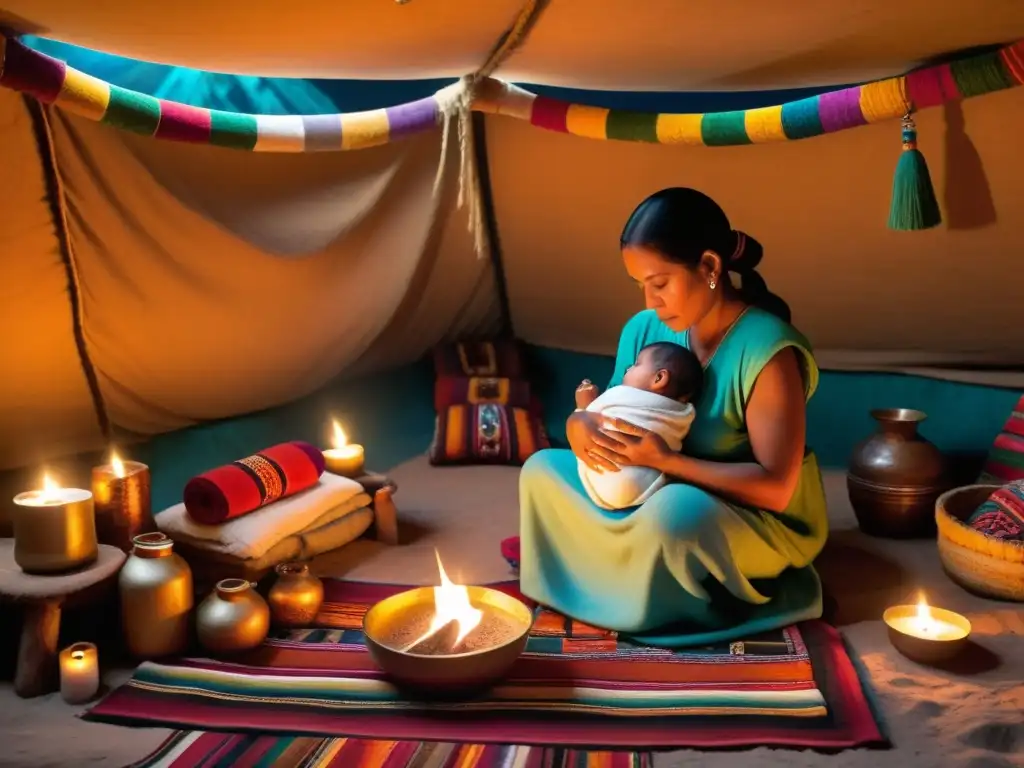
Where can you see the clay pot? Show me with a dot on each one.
(296, 596)
(155, 586)
(232, 618)
(895, 477)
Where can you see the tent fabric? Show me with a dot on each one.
(656, 45)
(47, 405)
(214, 283)
(867, 297)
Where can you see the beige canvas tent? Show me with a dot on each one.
(212, 283)
(192, 296)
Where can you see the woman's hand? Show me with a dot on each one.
(639, 447)
(597, 449)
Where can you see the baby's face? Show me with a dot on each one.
(643, 374)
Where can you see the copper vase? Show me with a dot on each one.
(155, 585)
(232, 618)
(895, 476)
(296, 596)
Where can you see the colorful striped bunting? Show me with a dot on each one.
(54, 82)
(838, 110)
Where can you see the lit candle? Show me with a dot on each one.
(344, 458)
(122, 493)
(79, 673)
(54, 529)
(924, 633)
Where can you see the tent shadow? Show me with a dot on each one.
(859, 584)
(967, 197)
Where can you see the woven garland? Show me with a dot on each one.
(54, 82)
(838, 110)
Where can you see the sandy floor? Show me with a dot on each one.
(970, 716)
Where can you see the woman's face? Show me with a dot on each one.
(680, 295)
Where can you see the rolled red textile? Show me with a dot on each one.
(245, 485)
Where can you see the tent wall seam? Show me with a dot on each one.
(58, 210)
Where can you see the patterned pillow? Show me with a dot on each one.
(1005, 461)
(494, 359)
(486, 434)
(478, 390)
(1001, 516)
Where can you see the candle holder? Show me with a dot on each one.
(123, 503)
(79, 673)
(927, 635)
(54, 530)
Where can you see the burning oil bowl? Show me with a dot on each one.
(441, 674)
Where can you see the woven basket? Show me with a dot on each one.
(982, 564)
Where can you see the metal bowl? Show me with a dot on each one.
(445, 674)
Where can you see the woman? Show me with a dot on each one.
(725, 549)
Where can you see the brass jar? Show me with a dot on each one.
(156, 598)
(232, 618)
(296, 596)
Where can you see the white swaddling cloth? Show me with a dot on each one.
(631, 486)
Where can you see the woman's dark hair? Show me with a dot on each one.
(681, 224)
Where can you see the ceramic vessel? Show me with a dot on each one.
(895, 477)
(232, 618)
(296, 596)
(157, 597)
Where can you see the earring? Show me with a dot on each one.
(712, 283)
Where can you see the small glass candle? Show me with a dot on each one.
(79, 673)
(54, 529)
(122, 495)
(346, 459)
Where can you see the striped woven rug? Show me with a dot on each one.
(199, 749)
(574, 687)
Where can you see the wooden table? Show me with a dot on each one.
(44, 597)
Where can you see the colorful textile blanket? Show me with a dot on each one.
(199, 749)
(575, 686)
(242, 486)
(1001, 516)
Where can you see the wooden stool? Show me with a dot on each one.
(44, 598)
(385, 514)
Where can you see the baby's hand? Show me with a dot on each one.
(586, 393)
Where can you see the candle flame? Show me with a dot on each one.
(340, 438)
(117, 465)
(78, 655)
(451, 604)
(924, 613)
(50, 489)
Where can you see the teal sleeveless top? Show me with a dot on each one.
(719, 431)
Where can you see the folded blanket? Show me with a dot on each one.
(210, 567)
(242, 486)
(631, 486)
(253, 534)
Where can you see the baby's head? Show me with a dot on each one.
(667, 369)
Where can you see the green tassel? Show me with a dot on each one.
(914, 205)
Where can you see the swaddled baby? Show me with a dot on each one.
(655, 394)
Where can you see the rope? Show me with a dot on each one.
(457, 102)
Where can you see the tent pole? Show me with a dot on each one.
(491, 223)
(47, 156)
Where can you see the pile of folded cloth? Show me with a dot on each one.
(242, 519)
